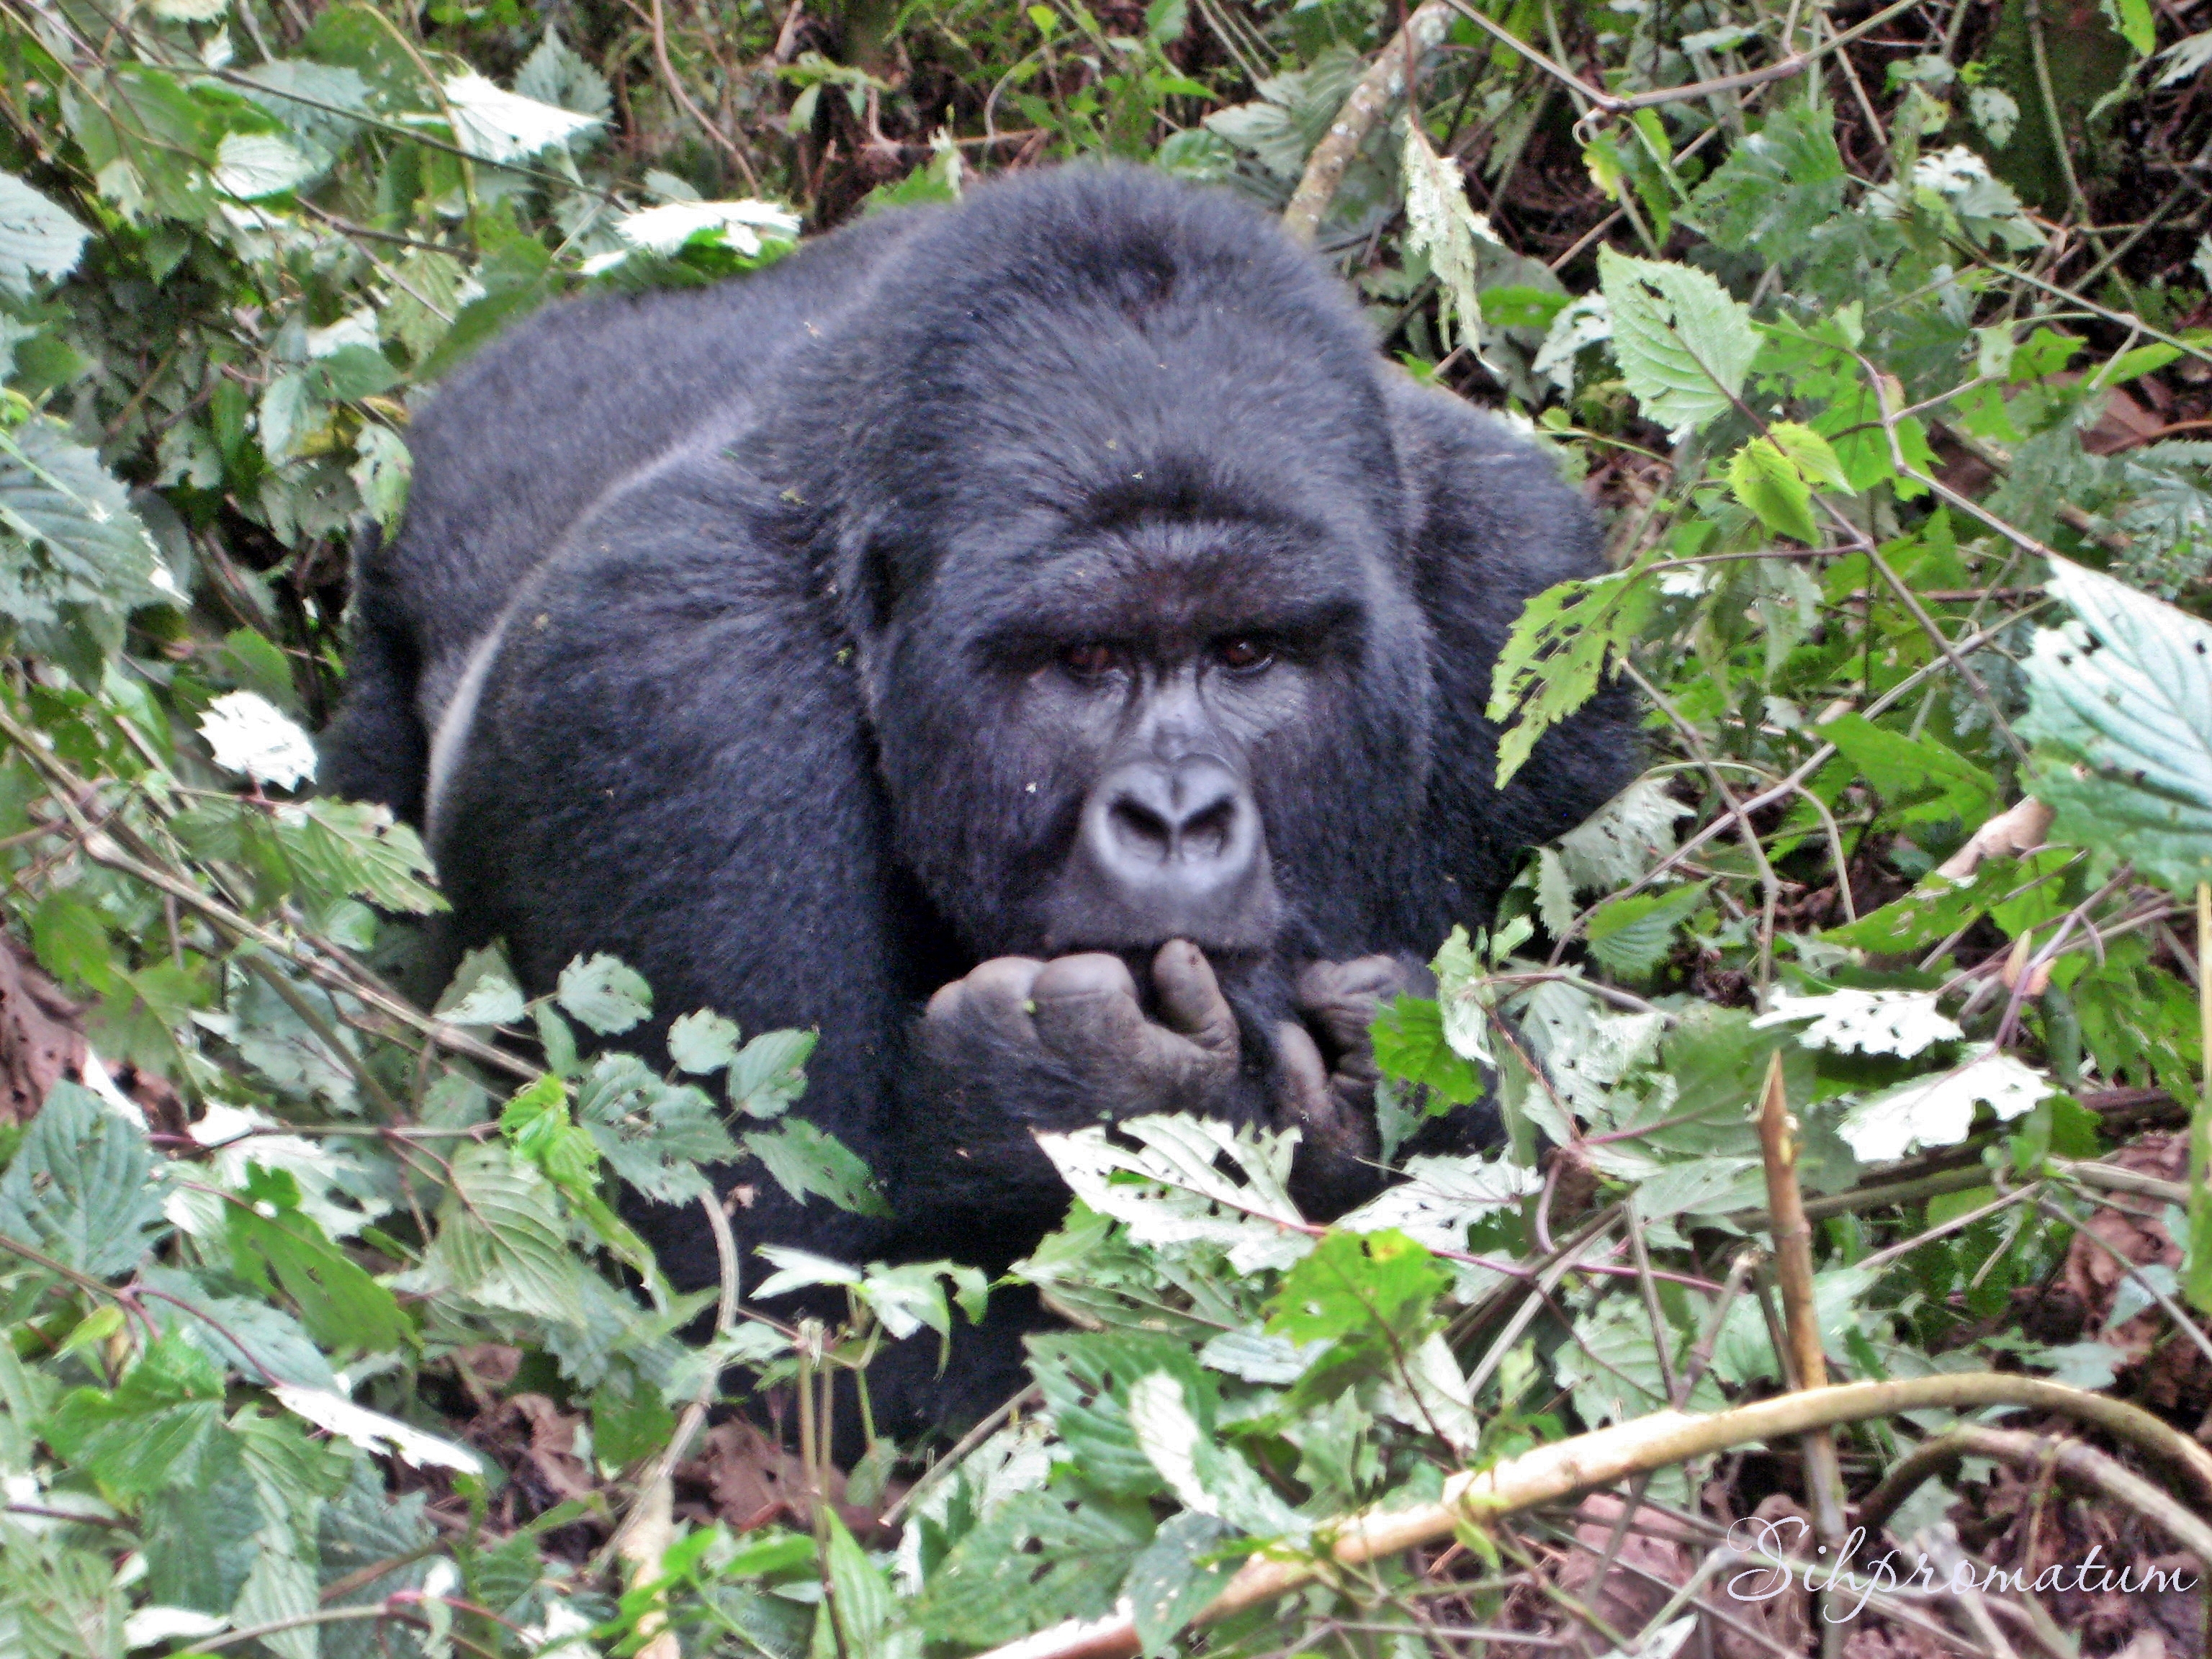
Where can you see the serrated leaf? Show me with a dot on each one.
(252, 164)
(68, 535)
(482, 992)
(1179, 1195)
(1359, 1285)
(805, 1159)
(1041, 1558)
(604, 993)
(1762, 478)
(1563, 644)
(1411, 1044)
(337, 1299)
(2125, 726)
(1172, 1579)
(554, 74)
(502, 1240)
(37, 239)
(496, 125)
(79, 1187)
(1207, 1476)
(164, 1415)
(770, 1072)
(1085, 1378)
(703, 1043)
(1683, 345)
(1624, 838)
(1440, 224)
(356, 849)
(1441, 1197)
(655, 1136)
(1633, 935)
(1938, 1110)
(255, 1339)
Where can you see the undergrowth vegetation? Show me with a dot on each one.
(1858, 1041)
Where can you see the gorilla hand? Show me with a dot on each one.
(1077, 1021)
(1020, 1045)
(1332, 1099)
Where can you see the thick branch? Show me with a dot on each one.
(1385, 82)
(1600, 1459)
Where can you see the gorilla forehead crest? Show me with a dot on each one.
(1107, 351)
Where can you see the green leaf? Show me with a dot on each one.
(628, 1419)
(254, 1337)
(496, 125)
(345, 849)
(502, 1240)
(68, 535)
(1683, 345)
(604, 994)
(1631, 936)
(79, 1188)
(1085, 1378)
(653, 1134)
(1358, 1284)
(703, 1043)
(1762, 478)
(1042, 1557)
(1940, 907)
(1174, 1577)
(1197, 1179)
(38, 239)
(1778, 185)
(164, 1415)
(70, 936)
(770, 1073)
(2133, 19)
(806, 1160)
(1775, 475)
(1410, 1045)
(1205, 1475)
(339, 1302)
(2124, 727)
(1918, 778)
(1565, 639)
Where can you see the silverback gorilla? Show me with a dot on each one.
(1038, 643)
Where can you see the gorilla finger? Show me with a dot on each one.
(995, 993)
(1305, 1098)
(1344, 997)
(1191, 1002)
(1086, 1011)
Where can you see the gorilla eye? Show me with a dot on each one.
(1090, 660)
(1242, 651)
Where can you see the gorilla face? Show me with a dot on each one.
(1144, 740)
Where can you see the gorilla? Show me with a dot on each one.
(1039, 643)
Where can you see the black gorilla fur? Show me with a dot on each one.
(815, 607)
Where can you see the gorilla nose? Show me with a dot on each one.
(1170, 836)
(1167, 849)
(1191, 820)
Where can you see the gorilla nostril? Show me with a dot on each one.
(1141, 830)
(1208, 831)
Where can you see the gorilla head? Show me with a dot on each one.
(1119, 530)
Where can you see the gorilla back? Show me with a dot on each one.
(1038, 643)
